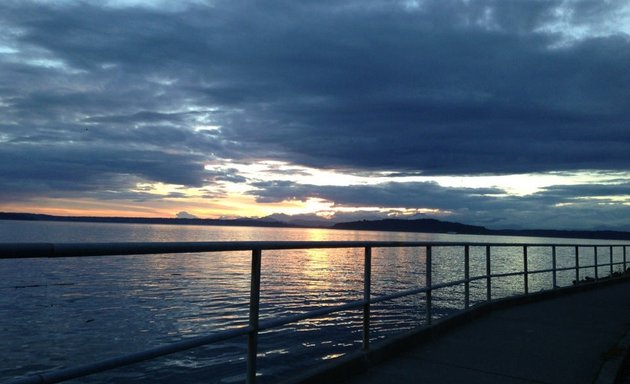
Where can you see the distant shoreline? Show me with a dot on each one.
(385, 225)
(143, 220)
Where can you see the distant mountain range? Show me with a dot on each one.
(144, 220)
(437, 226)
(280, 220)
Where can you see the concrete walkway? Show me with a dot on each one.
(565, 339)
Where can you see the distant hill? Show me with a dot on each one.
(419, 225)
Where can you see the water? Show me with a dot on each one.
(63, 312)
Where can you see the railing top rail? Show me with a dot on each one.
(35, 250)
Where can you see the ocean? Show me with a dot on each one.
(63, 312)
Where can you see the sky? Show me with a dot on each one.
(501, 113)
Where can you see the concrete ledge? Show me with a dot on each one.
(354, 363)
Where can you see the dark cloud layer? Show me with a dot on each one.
(94, 95)
(389, 195)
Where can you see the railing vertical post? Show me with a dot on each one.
(624, 259)
(428, 283)
(577, 264)
(596, 262)
(466, 276)
(488, 275)
(367, 282)
(611, 262)
(525, 273)
(254, 306)
(554, 267)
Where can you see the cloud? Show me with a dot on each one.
(390, 195)
(450, 88)
(98, 98)
(580, 206)
(393, 90)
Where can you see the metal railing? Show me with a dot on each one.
(255, 325)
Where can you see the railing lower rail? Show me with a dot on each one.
(255, 325)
